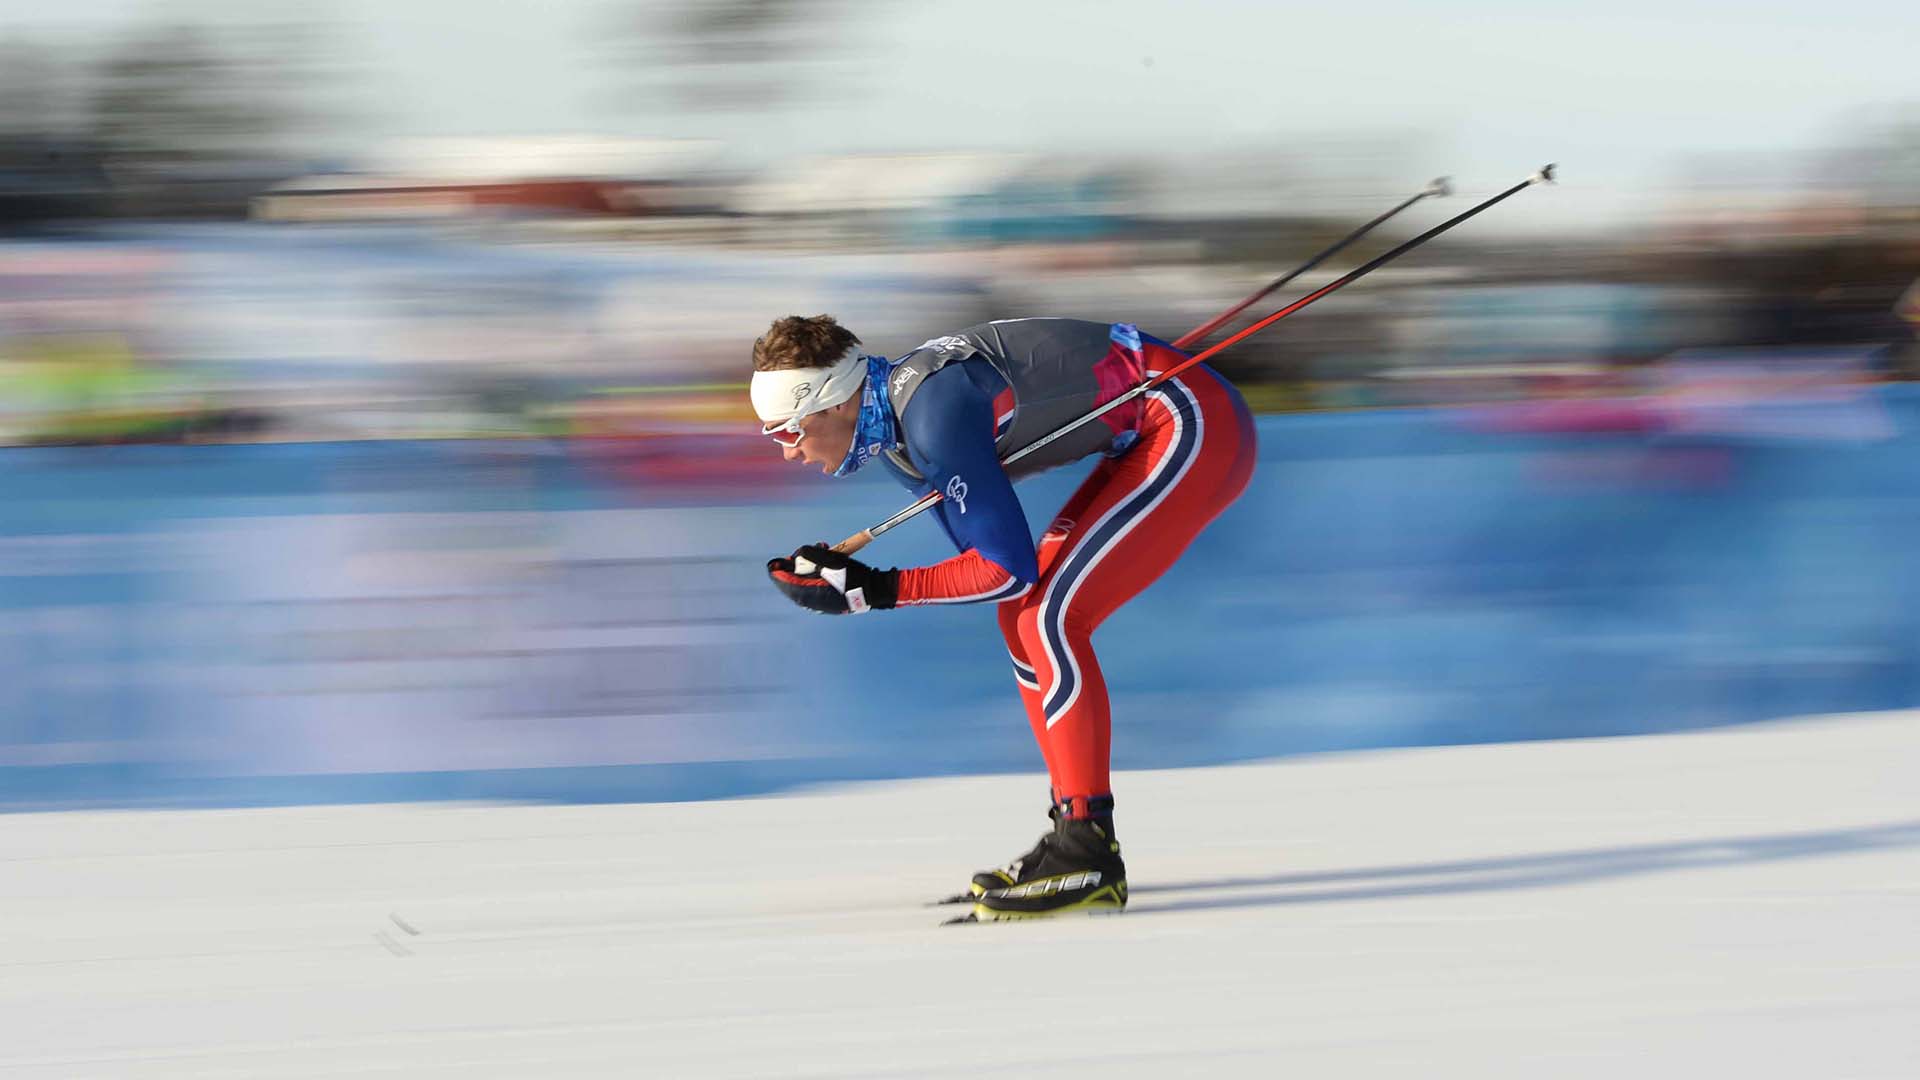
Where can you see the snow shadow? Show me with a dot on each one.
(1543, 870)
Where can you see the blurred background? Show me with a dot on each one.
(372, 377)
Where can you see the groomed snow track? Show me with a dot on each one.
(1740, 903)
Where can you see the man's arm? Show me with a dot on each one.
(948, 429)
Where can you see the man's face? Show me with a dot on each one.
(826, 436)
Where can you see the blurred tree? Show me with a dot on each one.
(47, 170)
(185, 93)
(728, 54)
(33, 91)
(195, 120)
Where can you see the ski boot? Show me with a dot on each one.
(1074, 869)
(1010, 873)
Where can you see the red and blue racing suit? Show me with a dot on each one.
(1178, 456)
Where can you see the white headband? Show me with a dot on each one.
(783, 395)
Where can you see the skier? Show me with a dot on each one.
(941, 418)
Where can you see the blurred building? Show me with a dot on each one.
(931, 200)
(544, 175)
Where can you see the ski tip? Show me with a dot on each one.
(956, 898)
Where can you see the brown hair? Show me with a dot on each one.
(797, 342)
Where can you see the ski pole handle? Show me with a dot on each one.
(845, 547)
(855, 542)
(865, 536)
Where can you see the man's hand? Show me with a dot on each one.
(821, 579)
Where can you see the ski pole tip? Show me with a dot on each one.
(1442, 186)
(1545, 175)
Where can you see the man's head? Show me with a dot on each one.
(807, 375)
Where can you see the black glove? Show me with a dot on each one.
(833, 584)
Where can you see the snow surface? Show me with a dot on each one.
(1741, 903)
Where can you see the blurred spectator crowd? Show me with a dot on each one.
(156, 288)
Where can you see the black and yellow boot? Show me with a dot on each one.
(1012, 873)
(1076, 869)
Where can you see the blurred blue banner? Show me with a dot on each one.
(231, 625)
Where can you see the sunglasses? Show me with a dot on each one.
(787, 432)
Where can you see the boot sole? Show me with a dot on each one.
(1106, 900)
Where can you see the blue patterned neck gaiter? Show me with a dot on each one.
(874, 433)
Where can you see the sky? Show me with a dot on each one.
(1625, 98)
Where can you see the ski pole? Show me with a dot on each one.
(866, 536)
(1197, 335)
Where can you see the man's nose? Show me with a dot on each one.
(791, 453)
